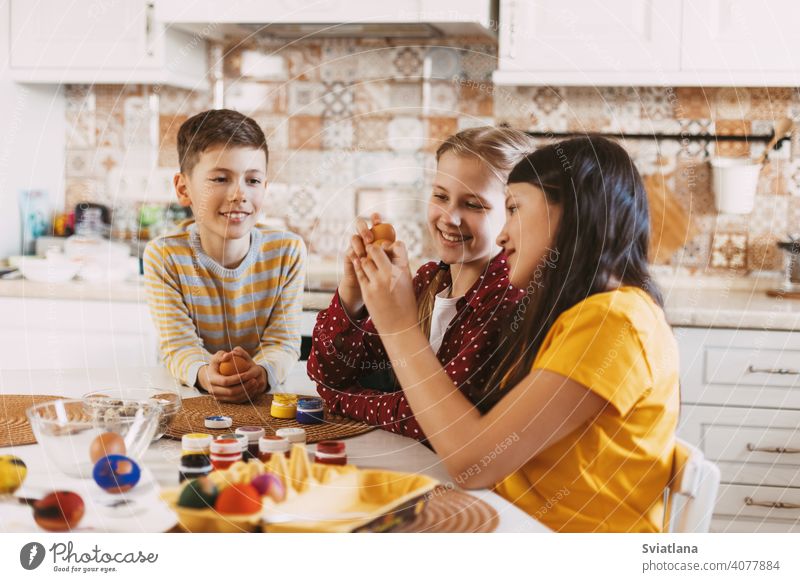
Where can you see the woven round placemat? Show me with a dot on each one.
(15, 429)
(453, 511)
(191, 418)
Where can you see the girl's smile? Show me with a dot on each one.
(465, 209)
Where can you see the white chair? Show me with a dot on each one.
(692, 491)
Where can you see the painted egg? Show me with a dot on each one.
(116, 473)
(383, 232)
(12, 473)
(198, 493)
(59, 511)
(236, 365)
(108, 443)
(238, 499)
(270, 484)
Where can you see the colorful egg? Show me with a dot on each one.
(270, 484)
(238, 499)
(59, 511)
(198, 494)
(116, 473)
(383, 232)
(236, 365)
(12, 473)
(108, 443)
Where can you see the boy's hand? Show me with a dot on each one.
(241, 387)
(349, 290)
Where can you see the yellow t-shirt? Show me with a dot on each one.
(610, 473)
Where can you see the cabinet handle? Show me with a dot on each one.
(780, 371)
(512, 29)
(148, 28)
(773, 504)
(752, 448)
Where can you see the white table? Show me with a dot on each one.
(378, 448)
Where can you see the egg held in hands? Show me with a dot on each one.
(383, 232)
(236, 365)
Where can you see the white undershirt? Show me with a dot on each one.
(444, 310)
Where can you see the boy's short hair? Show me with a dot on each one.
(217, 127)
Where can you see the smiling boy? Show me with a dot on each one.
(225, 285)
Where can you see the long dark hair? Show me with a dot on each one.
(602, 238)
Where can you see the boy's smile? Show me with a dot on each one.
(225, 190)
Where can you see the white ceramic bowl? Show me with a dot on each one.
(48, 270)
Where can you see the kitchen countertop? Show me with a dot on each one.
(376, 449)
(725, 302)
(123, 291)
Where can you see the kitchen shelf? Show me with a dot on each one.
(700, 137)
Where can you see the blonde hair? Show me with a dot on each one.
(500, 149)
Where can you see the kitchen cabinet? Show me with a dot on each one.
(46, 333)
(589, 36)
(101, 42)
(740, 395)
(740, 36)
(337, 17)
(41, 333)
(648, 42)
(282, 11)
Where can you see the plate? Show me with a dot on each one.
(140, 510)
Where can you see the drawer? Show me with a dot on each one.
(760, 502)
(758, 474)
(730, 525)
(751, 444)
(752, 367)
(746, 368)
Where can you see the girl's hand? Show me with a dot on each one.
(387, 288)
(349, 290)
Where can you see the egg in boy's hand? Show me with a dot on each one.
(236, 365)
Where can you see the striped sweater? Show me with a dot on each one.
(200, 307)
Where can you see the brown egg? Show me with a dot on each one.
(108, 443)
(236, 365)
(383, 232)
(59, 511)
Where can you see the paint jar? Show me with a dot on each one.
(225, 452)
(310, 411)
(252, 434)
(196, 443)
(295, 436)
(194, 465)
(283, 406)
(239, 438)
(331, 453)
(270, 445)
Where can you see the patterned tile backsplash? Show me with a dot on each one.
(353, 125)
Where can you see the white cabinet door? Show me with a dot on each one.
(739, 367)
(84, 34)
(730, 36)
(287, 11)
(40, 334)
(580, 36)
(93, 41)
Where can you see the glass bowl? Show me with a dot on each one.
(66, 429)
(121, 400)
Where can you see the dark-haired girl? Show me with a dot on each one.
(582, 411)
